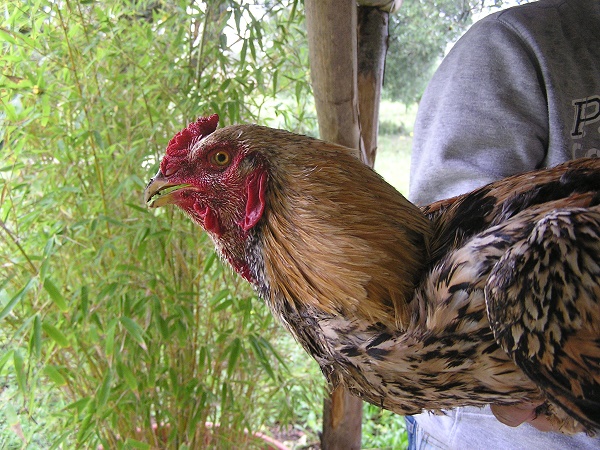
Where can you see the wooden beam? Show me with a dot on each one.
(372, 48)
(332, 46)
(347, 49)
(342, 421)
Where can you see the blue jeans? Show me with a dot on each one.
(419, 439)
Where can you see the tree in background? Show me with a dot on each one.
(419, 35)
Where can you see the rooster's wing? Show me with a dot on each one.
(543, 302)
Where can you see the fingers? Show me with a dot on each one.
(515, 415)
(542, 423)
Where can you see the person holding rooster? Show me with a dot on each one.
(519, 91)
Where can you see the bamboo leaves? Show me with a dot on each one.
(55, 334)
(53, 373)
(114, 319)
(55, 295)
(135, 331)
(16, 299)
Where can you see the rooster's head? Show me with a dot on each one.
(218, 182)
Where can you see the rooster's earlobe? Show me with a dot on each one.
(255, 202)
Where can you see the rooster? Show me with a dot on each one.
(491, 297)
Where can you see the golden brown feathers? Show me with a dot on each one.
(340, 238)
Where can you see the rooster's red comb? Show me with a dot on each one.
(182, 141)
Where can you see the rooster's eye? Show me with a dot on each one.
(221, 158)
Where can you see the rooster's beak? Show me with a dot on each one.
(160, 192)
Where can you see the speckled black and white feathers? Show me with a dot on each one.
(543, 290)
(543, 300)
(449, 356)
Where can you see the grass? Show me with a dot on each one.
(382, 429)
(394, 149)
(393, 160)
(398, 113)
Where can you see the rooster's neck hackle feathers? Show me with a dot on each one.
(338, 237)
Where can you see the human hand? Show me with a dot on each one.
(515, 415)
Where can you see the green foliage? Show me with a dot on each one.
(390, 127)
(119, 326)
(383, 430)
(419, 34)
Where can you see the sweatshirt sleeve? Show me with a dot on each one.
(483, 116)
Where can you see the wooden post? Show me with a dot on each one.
(332, 46)
(372, 49)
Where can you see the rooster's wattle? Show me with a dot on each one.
(491, 297)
